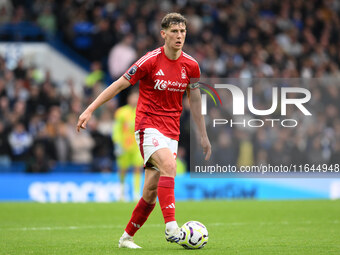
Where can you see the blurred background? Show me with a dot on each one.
(57, 56)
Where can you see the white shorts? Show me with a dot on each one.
(150, 140)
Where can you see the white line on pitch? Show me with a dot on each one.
(157, 225)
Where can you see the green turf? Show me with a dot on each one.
(235, 227)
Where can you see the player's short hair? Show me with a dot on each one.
(172, 18)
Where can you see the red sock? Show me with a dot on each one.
(139, 215)
(166, 197)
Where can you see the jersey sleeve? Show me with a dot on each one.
(195, 73)
(138, 70)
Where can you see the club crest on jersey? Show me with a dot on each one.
(132, 70)
(183, 73)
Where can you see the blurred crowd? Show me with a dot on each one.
(245, 38)
(38, 123)
(279, 138)
(240, 39)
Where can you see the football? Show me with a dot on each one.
(195, 235)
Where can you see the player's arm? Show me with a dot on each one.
(195, 108)
(105, 96)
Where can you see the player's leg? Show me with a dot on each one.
(164, 160)
(156, 153)
(142, 210)
(150, 185)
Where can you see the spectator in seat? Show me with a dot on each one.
(20, 142)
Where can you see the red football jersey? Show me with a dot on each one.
(162, 84)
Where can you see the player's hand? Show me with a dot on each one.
(206, 147)
(83, 119)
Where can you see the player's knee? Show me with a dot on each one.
(169, 168)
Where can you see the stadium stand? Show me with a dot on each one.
(237, 39)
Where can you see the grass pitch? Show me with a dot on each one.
(235, 227)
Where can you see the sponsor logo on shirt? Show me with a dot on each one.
(160, 84)
(170, 85)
